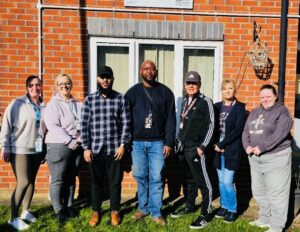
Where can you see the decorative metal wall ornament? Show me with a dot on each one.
(259, 57)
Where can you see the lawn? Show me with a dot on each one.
(45, 222)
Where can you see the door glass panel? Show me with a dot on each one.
(118, 59)
(163, 57)
(202, 61)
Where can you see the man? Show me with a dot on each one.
(196, 133)
(154, 123)
(105, 132)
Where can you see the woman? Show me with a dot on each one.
(21, 145)
(266, 139)
(62, 116)
(231, 116)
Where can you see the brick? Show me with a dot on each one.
(62, 29)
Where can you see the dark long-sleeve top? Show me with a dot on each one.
(163, 113)
(232, 142)
(197, 127)
(105, 122)
(268, 129)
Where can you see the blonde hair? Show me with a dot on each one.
(64, 75)
(228, 81)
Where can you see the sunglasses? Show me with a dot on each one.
(105, 77)
(191, 83)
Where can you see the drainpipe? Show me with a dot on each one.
(282, 51)
(176, 12)
(40, 38)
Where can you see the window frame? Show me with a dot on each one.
(179, 46)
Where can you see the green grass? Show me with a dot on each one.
(45, 222)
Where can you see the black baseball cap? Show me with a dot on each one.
(105, 71)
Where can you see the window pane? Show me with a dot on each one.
(163, 57)
(202, 61)
(118, 59)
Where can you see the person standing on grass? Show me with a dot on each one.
(21, 142)
(267, 141)
(196, 134)
(105, 132)
(231, 116)
(154, 124)
(64, 152)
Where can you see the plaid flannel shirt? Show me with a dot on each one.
(105, 123)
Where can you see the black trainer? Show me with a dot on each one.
(72, 212)
(182, 212)
(61, 216)
(230, 217)
(199, 223)
(221, 213)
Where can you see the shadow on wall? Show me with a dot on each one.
(84, 46)
(243, 185)
(294, 201)
(84, 188)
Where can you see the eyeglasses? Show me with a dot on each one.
(36, 85)
(191, 83)
(68, 84)
(106, 77)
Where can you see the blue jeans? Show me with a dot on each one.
(227, 191)
(148, 163)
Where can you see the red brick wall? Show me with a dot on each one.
(65, 50)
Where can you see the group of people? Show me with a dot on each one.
(107, 124)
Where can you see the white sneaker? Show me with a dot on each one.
(270, 230)
(259, 224)
(18, 224)
(27, 216)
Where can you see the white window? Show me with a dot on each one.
(173, 59)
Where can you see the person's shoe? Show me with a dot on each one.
(61, 216)
(139, 215)
(259, 224)
(115, 218)
(199, 223)
(221, 213)
(230, 217)
(72, 212)
(27, 216)
(182, 212)
(18, 224)
(95, 218)
(270, 230)
(160, 221)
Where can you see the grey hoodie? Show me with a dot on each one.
(18, 132)
(269, 129)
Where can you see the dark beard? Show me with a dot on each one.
(104, 91)
(151, 82)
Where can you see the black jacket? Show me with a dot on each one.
(163, 110)
(232, 143)
(198, 126)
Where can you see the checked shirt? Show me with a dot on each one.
(105, 123)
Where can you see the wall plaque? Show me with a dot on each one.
(180, 4)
